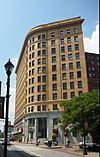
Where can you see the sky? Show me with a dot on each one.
(17, 17)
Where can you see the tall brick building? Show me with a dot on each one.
(51, 68)
(92, 66)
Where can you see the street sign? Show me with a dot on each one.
(2, 99)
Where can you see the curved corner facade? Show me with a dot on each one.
(51, 68)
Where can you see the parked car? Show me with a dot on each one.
(90, 146)
(51, 142)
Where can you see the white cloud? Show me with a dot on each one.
(91, 44)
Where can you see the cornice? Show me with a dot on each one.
(46, 27)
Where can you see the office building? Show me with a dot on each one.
(51, 68)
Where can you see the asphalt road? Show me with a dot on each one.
(25, 150)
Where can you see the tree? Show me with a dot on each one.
(87, 103)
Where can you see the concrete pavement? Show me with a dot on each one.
(74, 150)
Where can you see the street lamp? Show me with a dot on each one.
(84, 145)
(8, 67)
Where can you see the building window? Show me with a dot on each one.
(33, 47)
(70, 57)
(55, 106)
(53, 59)
(32, 39)
(28, 99)
(29, 90)
(71, 85)
(44, 88)
(54, 87)
(52, 42)
(44, 78)
(30, 56)
(75, 38)
(39, 88)
(43, 60)
(63, 67)
(32, 98)
(63, 76)
(30, 48)
(43, 69)
(53, 50)
(54, 96)
(72, 94)
(68, 39)
(43, 36)
(43, 107)
(63, 57)
(64, 86)
(68, 31)
(76, 47)
(28, 109)
(39, 61)
(54, 77)
(29, 81)
(62, 41)
(29, 64)
(39, 37)
(43, 52)
(32, 63)
(79, 84)
(29, 72)
(77, 55)
(33, 80)
(32, 71)
(39, 79)
(39, 53)
(52, 34)
(71, 75)
(61, 33)
(33, 89)
(62, 49)
(64, 95)
(78, 66)
(44, 97)
(76, 30)
(43, 44)
(39, 108)
(38, 97)
(32, 108)
(39, 45)
(69, 48)
(78, 74)
(70, 66)
(80, 93)
(39, 70)
(53, 68)
(33, 55)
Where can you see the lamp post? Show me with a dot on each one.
(8, 67)
(84, 145)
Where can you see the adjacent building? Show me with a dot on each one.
(92, 66)
(51, 68)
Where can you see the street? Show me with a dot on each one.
(30, 150)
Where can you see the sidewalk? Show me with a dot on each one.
(72, 150)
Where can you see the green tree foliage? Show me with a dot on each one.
(73, 110)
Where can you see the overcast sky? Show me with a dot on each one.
(17, 17)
